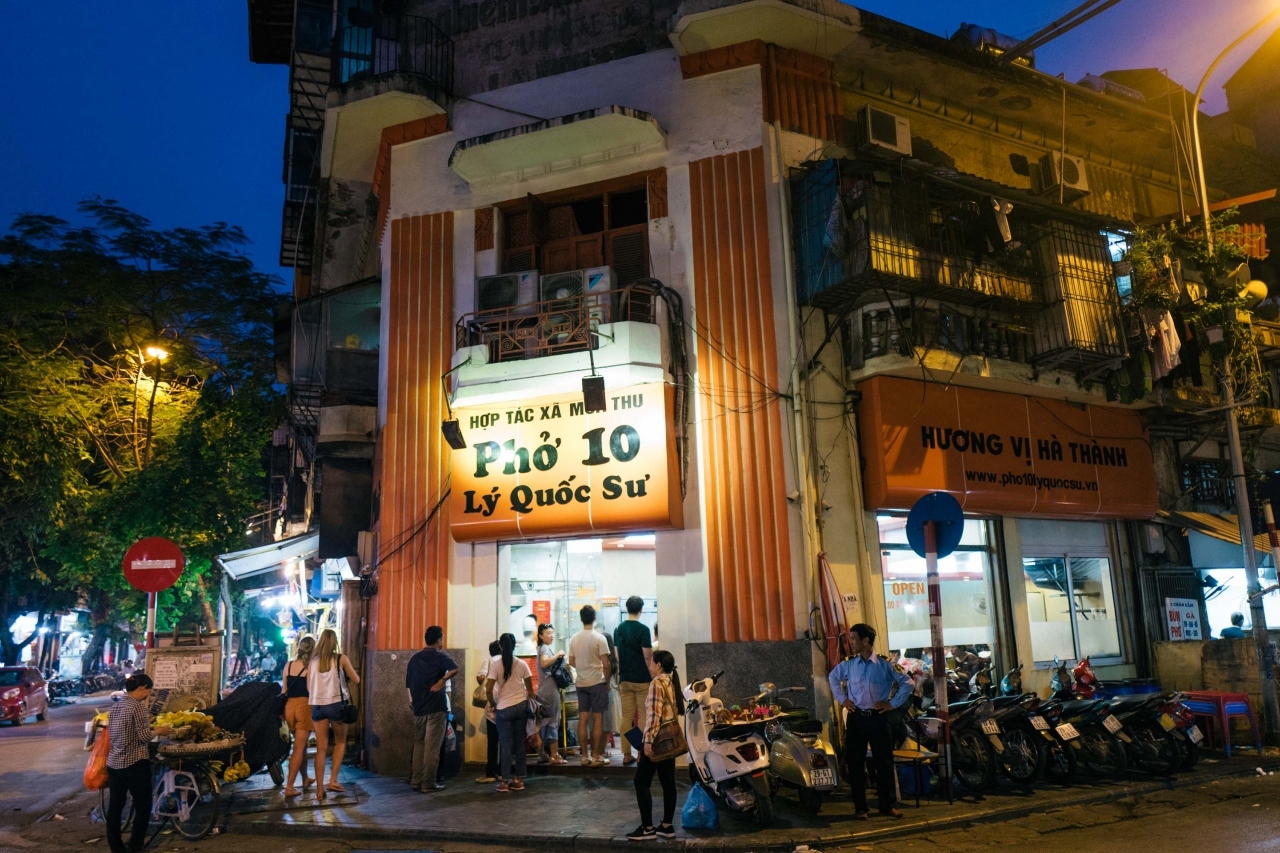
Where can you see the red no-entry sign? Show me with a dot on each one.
(153, 564)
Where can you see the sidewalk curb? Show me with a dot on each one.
(335, 829)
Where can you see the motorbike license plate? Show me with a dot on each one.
(990, 727)
(1067, 731)
(1111, 724)
(1040, 724)
(823, 776)
(1166, 722)
(1195, 734)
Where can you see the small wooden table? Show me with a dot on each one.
(917, 758)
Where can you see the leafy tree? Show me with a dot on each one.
(135, 371)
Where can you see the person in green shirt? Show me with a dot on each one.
(635, 655)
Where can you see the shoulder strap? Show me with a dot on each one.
(342, 679)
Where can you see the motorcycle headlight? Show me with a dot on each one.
(11, 694)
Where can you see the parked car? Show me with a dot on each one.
(23, 693)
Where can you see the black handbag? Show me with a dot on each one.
(350, 713)
(560, 673)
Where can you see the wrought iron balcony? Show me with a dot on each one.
(555, 326)
(395, 44)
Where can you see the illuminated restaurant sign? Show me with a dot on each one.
(1002, 453)
(544, 467)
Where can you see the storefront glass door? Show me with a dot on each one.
(1071, 608)
(966, 582)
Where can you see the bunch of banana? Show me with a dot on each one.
(195, 719)
(236, 772)
(101, 718)
(217, 767)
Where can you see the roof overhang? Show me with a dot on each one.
(819, 27)
(591, 136)
(1224, 527)
(270, 31)
(267, 558)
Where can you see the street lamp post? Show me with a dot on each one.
(1261, 639)
(159, 355)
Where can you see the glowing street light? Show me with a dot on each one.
(157, 353)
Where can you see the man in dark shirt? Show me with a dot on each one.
(635, 652)
(425, 678)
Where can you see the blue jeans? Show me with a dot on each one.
(511, 753)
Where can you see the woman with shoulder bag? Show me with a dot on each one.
(549, 694)
(663, 743)
(297, 712)
(510, 687)
(328, 680)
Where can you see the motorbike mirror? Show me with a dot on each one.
(766, 687)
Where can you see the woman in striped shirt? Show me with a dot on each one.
(661, 705)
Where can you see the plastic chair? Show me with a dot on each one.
(1219, 708)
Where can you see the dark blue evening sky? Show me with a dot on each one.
(157, 105)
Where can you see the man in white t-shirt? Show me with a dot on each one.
(589, 655)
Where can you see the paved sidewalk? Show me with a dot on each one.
(580, 812)
(567, 812)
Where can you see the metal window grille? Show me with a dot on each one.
(1081, 323)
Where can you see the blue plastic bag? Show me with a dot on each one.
(699, 810)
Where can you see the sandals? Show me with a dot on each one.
(336, 788)
(559, 759)
(292, 792)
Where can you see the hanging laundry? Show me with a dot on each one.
(1165, 347)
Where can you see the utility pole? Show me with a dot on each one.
(1266, 650)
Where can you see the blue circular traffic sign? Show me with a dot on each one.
(948, 519)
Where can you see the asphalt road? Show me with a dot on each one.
(42, 763)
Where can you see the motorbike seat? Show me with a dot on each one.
(1000, 702)
(731, 731)
(1076, 706)
(804, 727)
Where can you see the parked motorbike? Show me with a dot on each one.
(1148, 743)
(975, 737)
(799, 758)
(730, 759)
(1184, 728)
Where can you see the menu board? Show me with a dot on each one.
(186, 672)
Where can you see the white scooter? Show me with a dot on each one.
(731, 759)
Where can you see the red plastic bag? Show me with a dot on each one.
(95, 772)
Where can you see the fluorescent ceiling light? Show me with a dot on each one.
(586, 546)
(641, 539)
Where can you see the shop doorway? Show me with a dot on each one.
(551, 581)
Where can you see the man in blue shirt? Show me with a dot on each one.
(428, 672)
(863, 687)
(1236, 631)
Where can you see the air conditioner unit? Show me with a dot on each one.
(885, 132)
(563, 296)
(1065, 172)
(512, 290)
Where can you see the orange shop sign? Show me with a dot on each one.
(544, 467)
(1002, 453)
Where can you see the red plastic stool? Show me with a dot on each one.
(1220, 708)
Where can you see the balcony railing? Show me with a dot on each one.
(395, 44)
(555, 326)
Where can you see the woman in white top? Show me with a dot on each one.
(510, 687)
(328, 682)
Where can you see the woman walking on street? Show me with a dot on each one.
(328, 680)
(490, 727)
(549, 694)
(297, 712)
(661, 705)
(510, 687)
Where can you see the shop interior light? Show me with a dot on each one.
(585, 546)
(641, 539)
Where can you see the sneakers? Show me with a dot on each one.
(502, 787)
(428, 789)
(641, 833)
(486, 780)
(666, 830)
(517, 785)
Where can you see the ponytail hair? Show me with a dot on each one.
(507, 642)
(667, 661)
